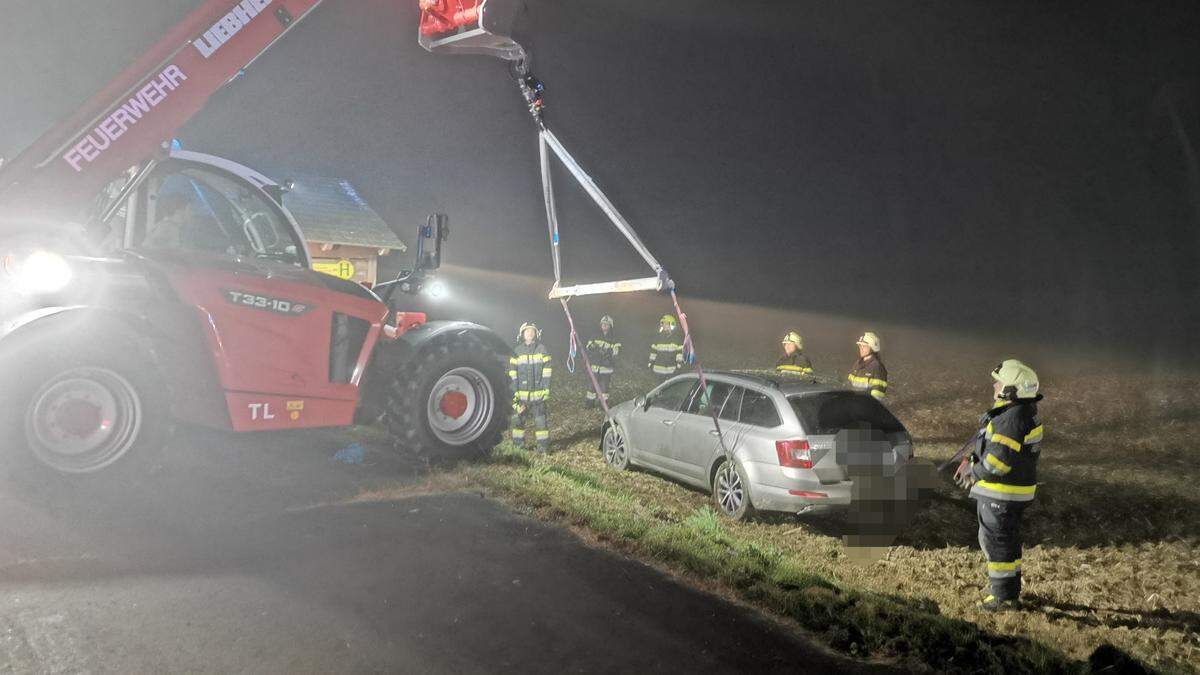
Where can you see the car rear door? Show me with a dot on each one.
(694, 438)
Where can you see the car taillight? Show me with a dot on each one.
(794, 454)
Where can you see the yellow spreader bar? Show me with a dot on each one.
(625, 286)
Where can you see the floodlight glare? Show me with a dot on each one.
(40, 272)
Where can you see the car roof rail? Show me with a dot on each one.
(750, 375)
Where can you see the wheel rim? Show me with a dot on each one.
(730, 493)
(83, 420)
(461, 405)
(614, 447)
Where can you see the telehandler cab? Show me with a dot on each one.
(143, 285)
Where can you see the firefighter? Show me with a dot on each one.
(793, 361)
(666, 354)
(869, 373)
(530, 372)
(602, 352)
(1002, 477)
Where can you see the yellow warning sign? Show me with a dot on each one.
(342, 269)
(295, 405)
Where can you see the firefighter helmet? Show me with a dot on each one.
(1016, 379)
(606, 320)
(529, 324)
(669, 320)
(793, 338)
(871, 340)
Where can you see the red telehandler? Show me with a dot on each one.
(143, 285)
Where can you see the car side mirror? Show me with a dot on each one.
(641, 402)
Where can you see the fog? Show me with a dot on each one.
(999, 169)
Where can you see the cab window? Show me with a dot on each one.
(194, 209)
(672, 396)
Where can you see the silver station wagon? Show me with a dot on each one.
(795, 446)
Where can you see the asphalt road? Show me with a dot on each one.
(245, 554)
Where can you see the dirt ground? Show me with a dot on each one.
(1112, 541)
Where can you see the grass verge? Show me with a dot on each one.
(858, 622)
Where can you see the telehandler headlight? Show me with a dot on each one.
(39, 272)
(437, 290)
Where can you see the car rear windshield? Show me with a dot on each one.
(832, 411)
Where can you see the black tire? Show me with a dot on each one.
(90, 409)
(614, 449)
(481, 371)
(731, 491)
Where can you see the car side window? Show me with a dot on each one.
(733, 405)
(672, 396)
(705, 398)
(759, 410)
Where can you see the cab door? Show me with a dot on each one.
(229, 252)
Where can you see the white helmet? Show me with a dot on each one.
(529, 324)
(1016, 379)
(871, 340)
(793, 338)
(606, 320)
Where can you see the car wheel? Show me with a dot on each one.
(731, 491)
(616, 451)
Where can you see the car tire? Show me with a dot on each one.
(614, 449)
(731, 491)
(452, 401)
(89, 409)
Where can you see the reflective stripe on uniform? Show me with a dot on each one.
(664, 347)
(1005, 440)
(512, 374)
(1000, 467)
(794, 369)
(878, 394)
(541, 434)
(1002, 570)
(518, 434)
(1034, 436)
(875, 382)
(529, 358)
(664, 370)
(1008, 493)
(537, 395)
(602, 370)
(547, 372)
(859, 382)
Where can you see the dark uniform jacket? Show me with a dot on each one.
(530, 372)
(1005, 465)
(666, 354)
(796, 364)
(871, 375)
(603, 351)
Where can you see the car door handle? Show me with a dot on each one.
(668, 422)
(713, 432)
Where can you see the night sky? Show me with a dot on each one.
(1004, 167)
